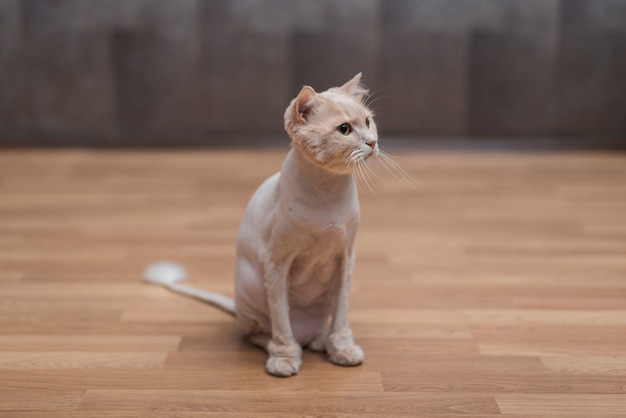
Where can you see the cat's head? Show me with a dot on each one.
(334, 129)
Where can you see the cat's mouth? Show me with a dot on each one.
(372, 154)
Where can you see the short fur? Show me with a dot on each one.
(295, 247)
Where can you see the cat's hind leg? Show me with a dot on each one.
(319, 343)
(260, 340)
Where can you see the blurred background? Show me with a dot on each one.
(221, 72)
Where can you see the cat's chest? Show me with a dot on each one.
(317, 260)
(324, 242)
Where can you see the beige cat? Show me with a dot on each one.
(295, 248)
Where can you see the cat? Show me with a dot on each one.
(295, 247)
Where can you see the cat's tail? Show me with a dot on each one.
(169, 275)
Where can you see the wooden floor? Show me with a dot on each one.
(497, 287)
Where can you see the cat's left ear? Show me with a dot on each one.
(354, 87)
(303, 104)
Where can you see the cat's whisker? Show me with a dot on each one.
(355, 156)
(359, 180)
(410, 180)
(352, 162)
(362, 172)
(359, 171)
(356, 174)
(370, 103)
(368, 168)
(352, 156)
(388, 153)
(375, 95)
(364, 176)
(396, 170)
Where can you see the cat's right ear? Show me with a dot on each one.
(303, 104)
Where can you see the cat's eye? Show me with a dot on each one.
(367, 122)
(344, 128)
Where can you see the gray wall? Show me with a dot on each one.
(185, 71)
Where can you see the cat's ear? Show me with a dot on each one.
(354, 87)
(303, 104)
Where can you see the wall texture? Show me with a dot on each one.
(140, 72)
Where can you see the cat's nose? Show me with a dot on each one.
(371, 143)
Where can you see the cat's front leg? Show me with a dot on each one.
(342, 350)
(340, 343)
(285, 354)
(284, 359)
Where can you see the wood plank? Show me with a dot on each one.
(497, 317)
(573, 405)
(609, 365)
(503, 381)
(219, 414)
(468, 363)
(75, 326)
(412, 331)
(19, 360)
(191, 313)
(109, 343)
(54, 401)
(343, 380)
(370, 403)
(541, 340)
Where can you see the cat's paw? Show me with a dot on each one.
(318, 344)
(350, 355)
(283, 366)
(284, 360)
(343, 351)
